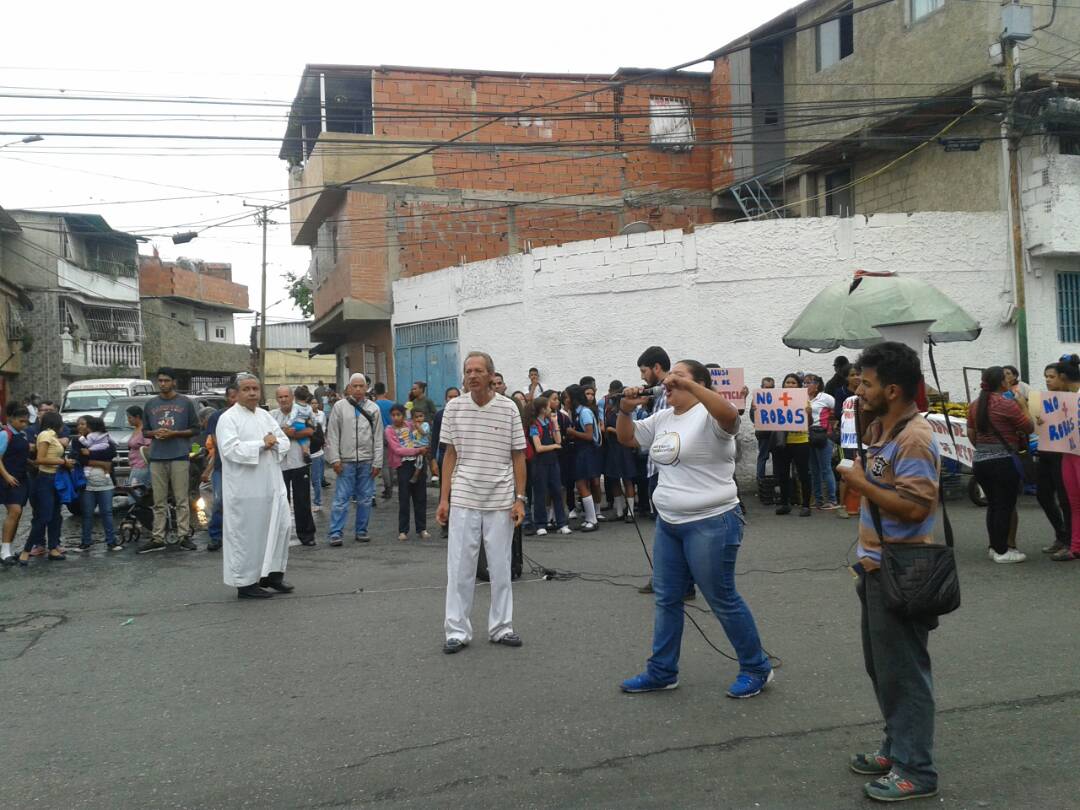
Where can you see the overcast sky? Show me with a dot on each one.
(235, 50)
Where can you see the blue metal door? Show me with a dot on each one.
(426, 351)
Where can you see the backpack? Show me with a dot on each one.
(317, 441)
(530, 451)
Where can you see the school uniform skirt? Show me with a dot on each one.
(619, 461)
(588, 461)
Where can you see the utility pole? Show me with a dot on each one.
(1015, 211)
(262, 219)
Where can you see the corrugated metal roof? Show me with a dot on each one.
(291, 335)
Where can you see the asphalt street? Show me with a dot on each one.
(141, 682)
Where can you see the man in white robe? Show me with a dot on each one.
(257, 517)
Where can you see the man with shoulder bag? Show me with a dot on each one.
(897, 479)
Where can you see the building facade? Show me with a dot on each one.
(188, 307)
(623, 155)
(81, 276)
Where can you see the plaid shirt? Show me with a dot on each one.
(658, 404)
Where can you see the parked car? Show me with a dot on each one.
(91, 397)
(115, 418)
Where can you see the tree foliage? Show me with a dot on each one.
(300, 293)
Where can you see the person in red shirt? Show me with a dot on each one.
(999, 428)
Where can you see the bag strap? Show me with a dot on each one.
(946, 523)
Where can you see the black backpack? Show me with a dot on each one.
(318, 440)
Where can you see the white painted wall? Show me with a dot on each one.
(121, 288)
(215, 319)
(726, 293)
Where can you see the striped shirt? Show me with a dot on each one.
(483, 438)
(909, 465)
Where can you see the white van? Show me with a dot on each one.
(91, 397)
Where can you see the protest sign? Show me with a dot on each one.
(959, 447)
(1055, 422)
(729, 382)
(849, 439)
(780, 409)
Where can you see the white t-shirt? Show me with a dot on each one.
(483, 438)
(695, 459)
(818, 404)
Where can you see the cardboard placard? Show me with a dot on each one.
(959, 447)
(729, 383)
(849, 439)
(1055, 422)
(780, 409)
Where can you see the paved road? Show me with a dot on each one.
(141, 682)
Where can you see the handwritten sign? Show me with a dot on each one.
(1056, 424)
(780, 409)
(849, 439)
(729, 382)
(959, 447)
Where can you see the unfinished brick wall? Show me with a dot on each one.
(158, 279)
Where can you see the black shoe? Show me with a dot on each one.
(149, 545)
(252, 592)
(805, 512)
(187, 544)
(509, 640)
(173, 547)
(783, 510)
(277, 582)
(453, 645)
(646, 588)
(9, 561)
(628, 517)
(309, 542)
(363, 537)
(213, 546)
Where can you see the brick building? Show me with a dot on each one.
(188, 308)
(583, 168)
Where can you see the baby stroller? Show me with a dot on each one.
(139, 516)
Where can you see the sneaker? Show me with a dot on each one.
(588, 527)
(454, 645)
(425, 535)
(1054, 548)
(895, 788)
(805, 512)
(1065, 555)
(829, 506)
(645, 683)
(401, 536)
(1010, 556)
(79, 549)
(540, 532)
(783, 509)
(565, 530)
(747, 685)
(509, 640)
(116, 547)
(147, 546)
(573, 514)
(335, 541)
(646, 588)
(363, 537)
(991, 554)
(870, 764)
(188, 544)
(173, 548)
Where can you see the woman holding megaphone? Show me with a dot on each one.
(699, 524)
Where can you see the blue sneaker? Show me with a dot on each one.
(747, 685)
(645, 683)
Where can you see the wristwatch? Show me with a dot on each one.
(521, 498)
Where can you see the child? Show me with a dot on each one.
(421, 440)
(301, 417)
(405, 458)
(547, 478)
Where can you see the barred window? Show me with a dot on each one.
(670, 123)
(1068, 307)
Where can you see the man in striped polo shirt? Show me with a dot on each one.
(903, 462)
(482, 498)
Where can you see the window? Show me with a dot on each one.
(1068, 307)
(1068, 145)
(836, 38)
(219, 332)
(670, 124)
(201, 328)
(921, 8)
(839, 197)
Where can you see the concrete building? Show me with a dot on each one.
(13, 303)
(188, 308)
(289, 360)
(81, 277)
(585, 167)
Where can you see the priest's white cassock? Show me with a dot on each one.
(257, 518)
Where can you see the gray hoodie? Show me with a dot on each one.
(350, 436)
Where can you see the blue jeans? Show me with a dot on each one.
(47, 517)
(102, 500)
(355, 480)
(317, 467)
(764, 447)
(216, 515)
(702, 551)
(821, 471)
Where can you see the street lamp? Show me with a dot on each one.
(27, 139)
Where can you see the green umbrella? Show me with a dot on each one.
(848, 313)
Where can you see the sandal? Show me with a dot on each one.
(58, 556)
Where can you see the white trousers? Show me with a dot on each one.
(467, 527)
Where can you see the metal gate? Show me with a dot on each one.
(427, 351)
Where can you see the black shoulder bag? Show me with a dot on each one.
(918, 580)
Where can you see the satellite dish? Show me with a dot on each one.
(635, 227)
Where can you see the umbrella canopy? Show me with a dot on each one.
(847, 313)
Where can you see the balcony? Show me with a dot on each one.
(98, 285)
(1051, 201)
(101, 354)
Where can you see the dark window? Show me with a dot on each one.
(348, 102)
(839, 196)
(836, 38)
(1069, 145)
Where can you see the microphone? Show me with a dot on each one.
(655, 390)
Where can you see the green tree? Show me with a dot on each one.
(300, 293)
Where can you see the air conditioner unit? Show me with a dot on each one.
(126, 334)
